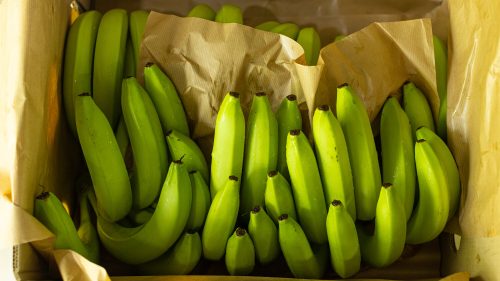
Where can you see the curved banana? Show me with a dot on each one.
(229, 143)
(343, 240)
(417, 108)
(202, 11)
(166, 100)
(300, 257)
(306, 186)
(450, 166)
(240, 253)
(278, 197)
(221, 219)
(78, 59)
(264, 235)
(441, 61)
(268, 25)
(309, 39)
(109, 59)
(121, 136)
(104, 159)
(363, 157)
(398, 159)
(150, 161)
(137, 23)
(333, 159)
(200, 202)
(229, 14)
(261, 151)
(288, 29)
(179, 260)
(129, 66)
(182, 146)
(289, 118)
(148, 241)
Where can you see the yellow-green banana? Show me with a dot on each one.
(221, 219)
(306, 186)
(229, 143)
(229, 14)
(129, 66)
(309, 39)
(333, 159)
(182, 146)
(339, 37)
(386, 244)
(139, 217)
(200, 202)
(264, 235)
(261, 151)
(109, 58)
(148, 241)
(137, 23)
(240, 253)
(441, 61)
(166, 100)
(289, 118)
(355, 124)
(268, 25)
(278, 197)
(417, 108)
(78, 59)
(121, 136)
(288, 29)
(104, 159)
(398, 159)
(202, 11)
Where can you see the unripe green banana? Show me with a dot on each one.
(288, 29)
(309, 39)
(240, 253)
(278, 197)
(450, 166)
(109, 58)
(229, 14)
(221, 219)
(137, 23)
(104, 160)
(143, 126)
(202, 11)
(229, 143)
(140, 217)
(200, 202)
(268, 25)
(166, 100)
(433, 206)
(264, 235)
(78, 59)
(363, 157)
(121, 136)
(302, 261)
(441, 61)
(261, 151)
(86, 229)
(398, 159)
(333, 159)
(289, 118)
(148, 241)
(182, 146)
(179, 260)
(345, 255)
(417, 108)
(129, 67)
(339, 37)
(306, 186)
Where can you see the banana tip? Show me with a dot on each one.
(233, 178)
(168, 133)
(149, 64)
(44, 195)
(272, 174)
(336, 203)
(342, 85)
(291, 97)
(421, 140)
(86, 94)
(283, 217)
(387, 185)
(324, 107)
(234, 94)
(240, 231)
(256, 209)
(294, 132)
(261, 94)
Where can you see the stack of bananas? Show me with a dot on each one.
(268, 190)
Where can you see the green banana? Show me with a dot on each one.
(441, 61)
(309, 39)
(417, 108)
(148, 241)
(200, 202)
(264, 235)
(121, 136)
(78, 59)
(221, 219)
(306, 186)
(278, 197)
(450, 166)
(179, 260)
(268, 25)
(202, 11)
(104, 159)
(339, 37)
(302, 260)
(240, 253)
(137, 23)
(343, 240)
(229, 143)
(182, 146)
(355, 124)
(149, 154)
(109, 59)
(288, 29)
(289, 118)
(140, 217)
(333, 159)
(433, 206)
(129, 65)
(261, 151)
(166, 100)
(229, 14)
(398, 159)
